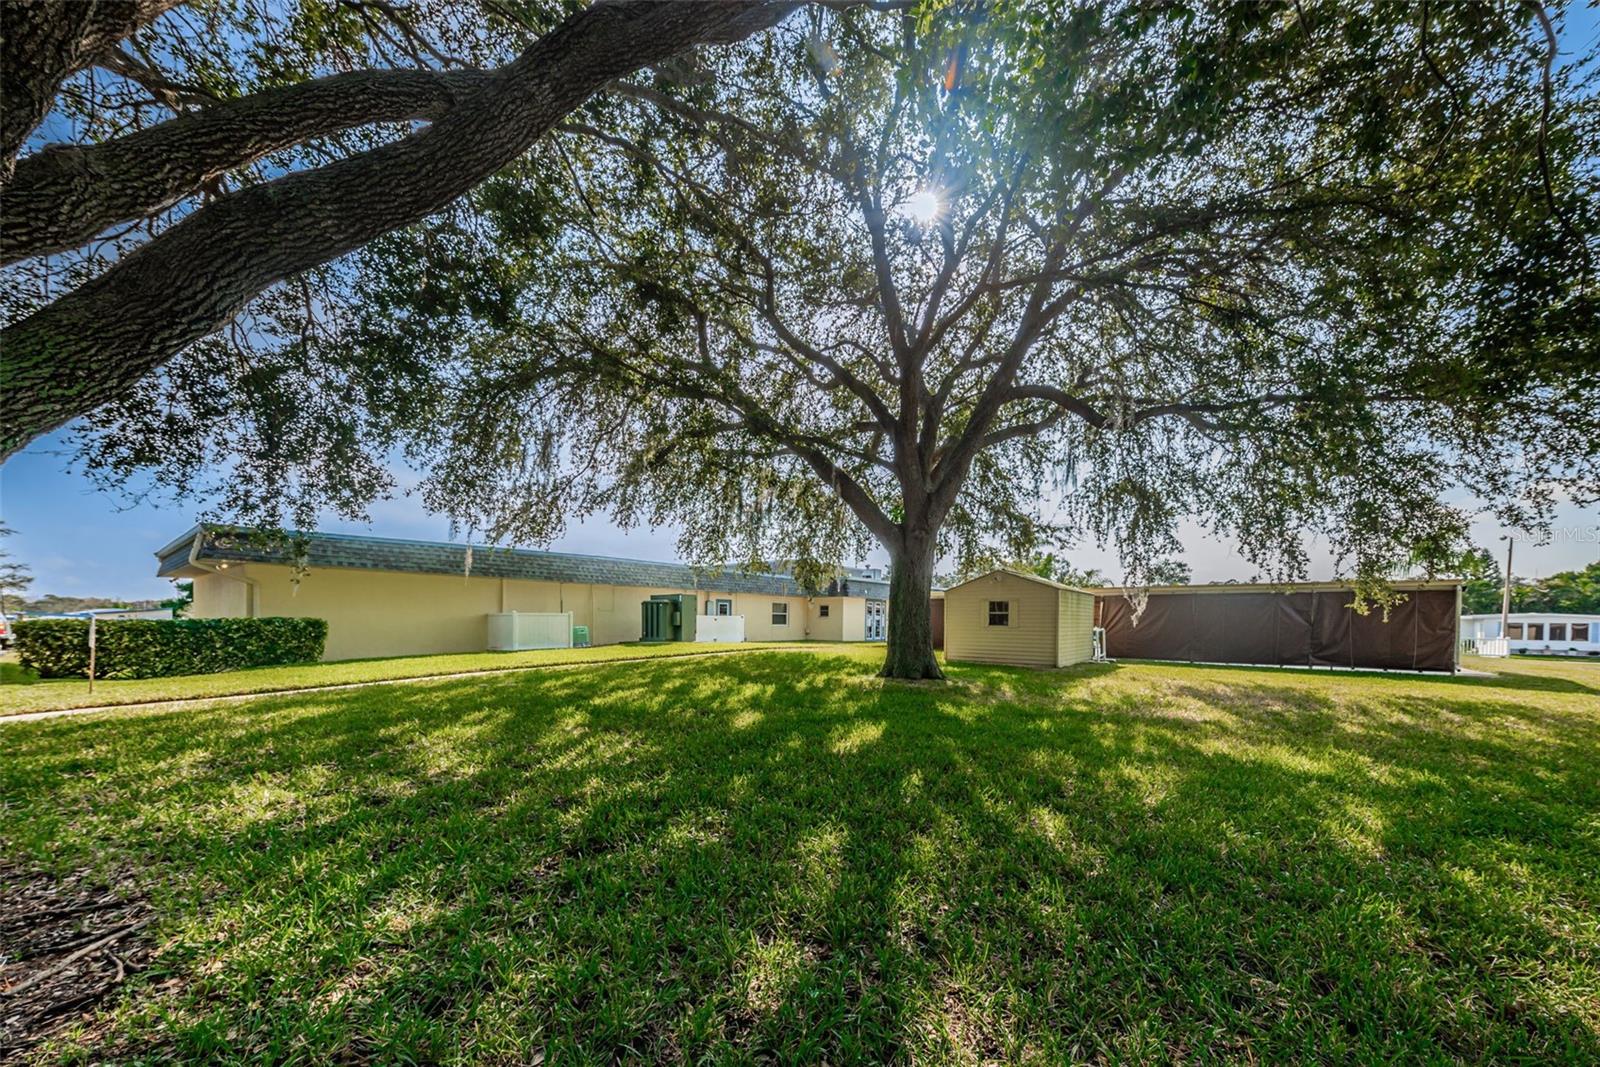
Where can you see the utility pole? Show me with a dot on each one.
(1505, 596)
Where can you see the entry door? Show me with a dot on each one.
(724, 607)
(875, 620)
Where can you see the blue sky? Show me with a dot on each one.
(82, 542)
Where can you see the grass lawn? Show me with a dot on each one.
(23, 691)
(776, 855)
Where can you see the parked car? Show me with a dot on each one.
(5, 632)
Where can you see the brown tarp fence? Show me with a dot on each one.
(1316, 629)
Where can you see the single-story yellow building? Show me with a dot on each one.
(388, 597)
(1012, 617)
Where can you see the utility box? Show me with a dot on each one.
(580, 637)
(655, 623)
(668, 617)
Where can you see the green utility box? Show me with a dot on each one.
(668, 617)
(580, 637)
(656, 621)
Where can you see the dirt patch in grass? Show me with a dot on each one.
(66, 945)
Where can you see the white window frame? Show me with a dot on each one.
(1005, 609)
(780, 608)
(822, 610)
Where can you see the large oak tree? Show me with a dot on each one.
(964, 278)
(1289, 269)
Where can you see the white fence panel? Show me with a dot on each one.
(1492, 646)
(518, 631)
(719, 629)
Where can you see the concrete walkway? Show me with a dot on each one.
(231, 698)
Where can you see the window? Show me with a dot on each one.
(1514, 631)
(999, 613)
(1580, 631)
(780, 614)
(723, 607)
(1558, 631)
(822, 612)
(1536, 631)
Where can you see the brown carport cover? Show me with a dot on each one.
(1316, 628)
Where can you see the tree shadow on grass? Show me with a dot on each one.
(784, 856)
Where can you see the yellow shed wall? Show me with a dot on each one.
(1029, 641)
(1075, 627)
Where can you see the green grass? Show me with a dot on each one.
(23, 691)
(777, 855)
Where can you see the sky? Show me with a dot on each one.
(83, 542)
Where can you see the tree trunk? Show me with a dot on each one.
(910, 620)
(44, 43)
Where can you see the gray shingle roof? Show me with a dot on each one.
(434, 557)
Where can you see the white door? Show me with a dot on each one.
(875, 620)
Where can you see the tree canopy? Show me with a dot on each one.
(968, 278)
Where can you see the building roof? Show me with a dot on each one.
(226, 544)
(1270, 587)
(1025, 576)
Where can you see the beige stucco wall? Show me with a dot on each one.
(1030, 640)
(757, 611)
(383, 613)
(1075, 627)
(846, 621)
(220, 597)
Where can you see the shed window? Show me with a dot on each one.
(1514, 631)
(822, 612)
(999, 613)
(1580, 631)
(1536, 631)
(780, 614)
(1558, 631)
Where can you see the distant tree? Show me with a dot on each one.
(15, 577)
(1482, 583)
(1574, 592)
(902, 277)
(181, 603)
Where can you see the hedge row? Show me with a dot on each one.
(152, 648)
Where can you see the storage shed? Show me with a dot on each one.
(1011, 617)
(1306, 624)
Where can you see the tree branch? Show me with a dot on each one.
(90, 346)
(47, 41)
(64, 196)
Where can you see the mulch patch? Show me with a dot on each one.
(66, 945)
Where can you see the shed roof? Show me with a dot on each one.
(229, 544)
(1026, 576)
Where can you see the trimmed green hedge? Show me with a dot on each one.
(154, 648)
